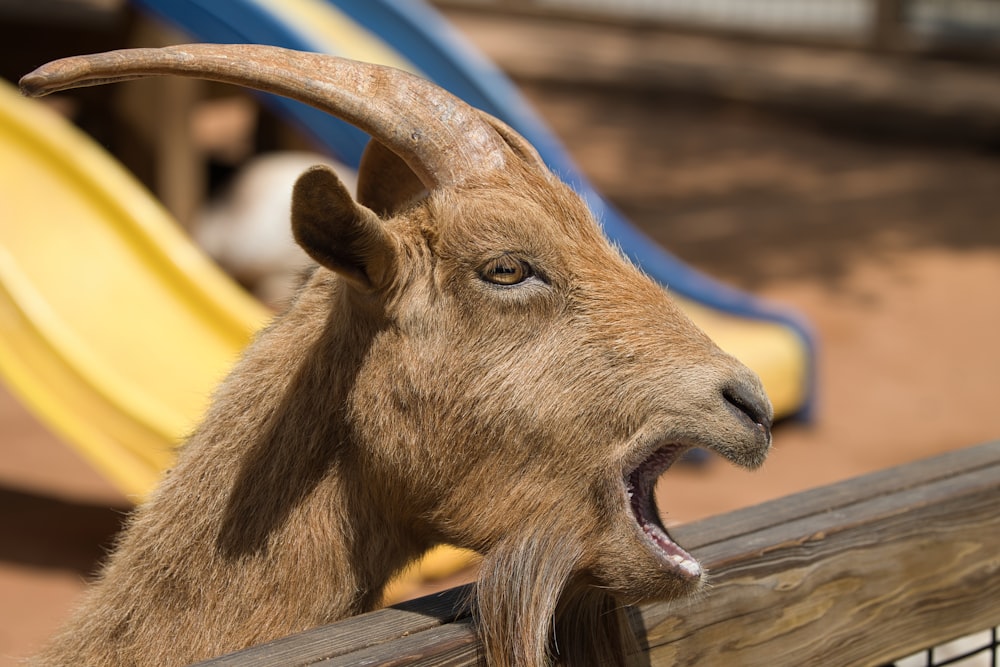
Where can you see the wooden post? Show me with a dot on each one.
(887, 25)
(159, 111)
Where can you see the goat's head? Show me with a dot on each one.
(525, 385)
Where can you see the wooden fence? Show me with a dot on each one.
(857, 573)
(957, 27)
(858, 87)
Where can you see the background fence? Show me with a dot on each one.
(968, 25)
(981, 649)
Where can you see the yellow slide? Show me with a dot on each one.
(113, 327)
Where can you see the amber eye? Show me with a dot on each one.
(505, 270)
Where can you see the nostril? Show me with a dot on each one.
(749, 403)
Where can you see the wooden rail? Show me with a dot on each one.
(856, 573)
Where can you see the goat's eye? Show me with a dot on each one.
(505, 270)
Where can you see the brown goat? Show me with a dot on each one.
(471, 363)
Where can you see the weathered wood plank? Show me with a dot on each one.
(354, 634)
(856, 573)
(447, 646)
(833, 496)
(861, 585)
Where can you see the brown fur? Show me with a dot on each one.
(403, 401)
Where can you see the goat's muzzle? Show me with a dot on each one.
(737, 427)
(747, 404)
(750, 405)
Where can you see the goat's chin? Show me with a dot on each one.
(639, 578)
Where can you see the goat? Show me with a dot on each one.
(471, 362)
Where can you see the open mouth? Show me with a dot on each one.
(640, 484)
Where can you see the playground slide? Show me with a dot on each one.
(113, 327)
(410, 35)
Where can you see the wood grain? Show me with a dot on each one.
(858, 585)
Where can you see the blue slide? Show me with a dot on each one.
(411, 35)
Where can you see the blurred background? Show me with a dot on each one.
(840, 157)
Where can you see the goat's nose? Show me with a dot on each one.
(750, 401)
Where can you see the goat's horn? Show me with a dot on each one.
(441, 138)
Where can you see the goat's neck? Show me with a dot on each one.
(267, 517)
(298, 490)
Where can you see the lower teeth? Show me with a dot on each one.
(689, 566)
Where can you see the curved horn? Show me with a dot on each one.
(442, 139)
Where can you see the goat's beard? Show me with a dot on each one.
(531, 610)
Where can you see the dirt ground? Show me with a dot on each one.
(889, 246)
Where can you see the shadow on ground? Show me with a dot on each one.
(84, 534)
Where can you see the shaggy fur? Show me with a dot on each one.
(407, 399)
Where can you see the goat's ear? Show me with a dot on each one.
(385, 183)
(339, 233)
